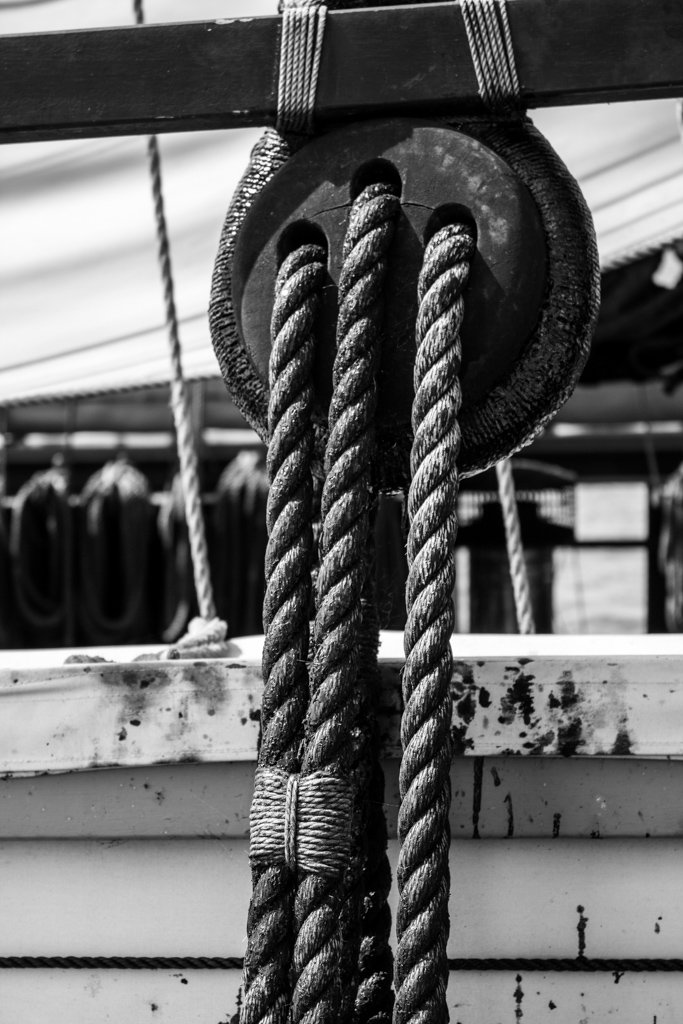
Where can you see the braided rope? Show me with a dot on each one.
(513, 540)
(574, 965)
(122, 963)
(423, 872)
(180, 407)
(303, 28)
(332, 718)
(289, 556)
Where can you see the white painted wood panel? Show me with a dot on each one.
(511, 695)
(38, 996)
(522, 797)
(189, 897)
(210, 997)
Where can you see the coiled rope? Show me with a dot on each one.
(423, 871)
(41, 556)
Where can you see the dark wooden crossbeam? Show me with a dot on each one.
(376, 62)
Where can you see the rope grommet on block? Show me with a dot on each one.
(302, 821)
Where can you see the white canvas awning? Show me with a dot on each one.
(80, 297)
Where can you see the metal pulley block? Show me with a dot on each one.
(529, 305)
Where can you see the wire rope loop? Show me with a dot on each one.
(301, 43)
(491, 49)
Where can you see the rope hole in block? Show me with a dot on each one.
(450, 213)
(376, 172)
(296, 234)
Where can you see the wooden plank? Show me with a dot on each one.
(528, 696)
(41, 996)
(495, 798)
(410, 60)
(190, 898)
(210, 997)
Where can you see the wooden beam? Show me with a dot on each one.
(410, 60)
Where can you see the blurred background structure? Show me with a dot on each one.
(84, 372)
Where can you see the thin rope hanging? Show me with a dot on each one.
(519, 575)
(185, 438)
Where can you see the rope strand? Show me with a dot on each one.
(515, 549)
(180, 406)
(374, 997)
(289, 556)
(332, 718)
(423, 872)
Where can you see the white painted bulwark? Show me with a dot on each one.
(148, 857)
(494, 798)
(210, 997)
(543, 695)
(189, 897)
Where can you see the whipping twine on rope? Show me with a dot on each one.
(210, 630)
(318, 926)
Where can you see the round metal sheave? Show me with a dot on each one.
(442, 175)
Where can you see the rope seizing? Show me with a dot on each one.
(423, 872)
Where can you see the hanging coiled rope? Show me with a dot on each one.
(287, 603)
(117, 523)
(423, 871)
(41, 556)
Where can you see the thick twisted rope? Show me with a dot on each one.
(287, 602)
(513, 541)
(374, 997)
(332, 718)
(423, 872)
(180, 407)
